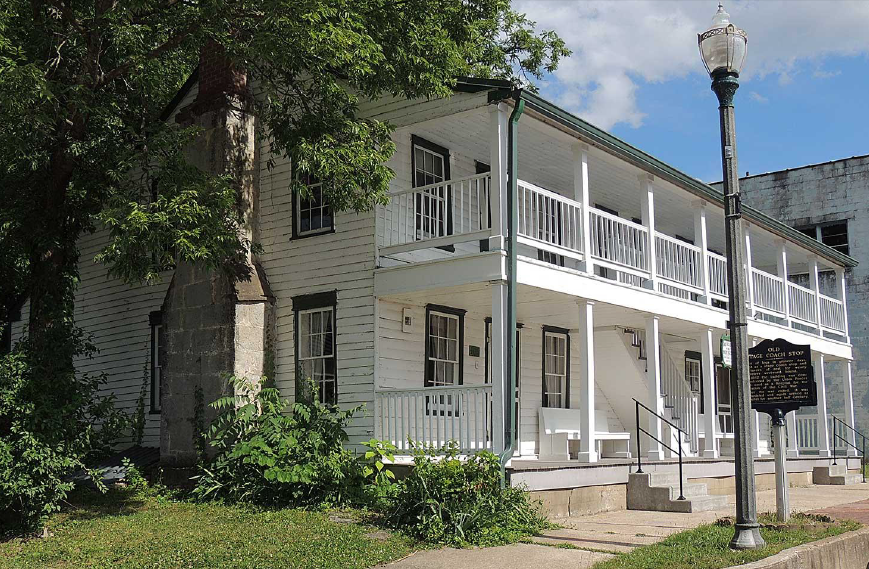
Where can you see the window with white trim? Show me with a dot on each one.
(444, 349)
(692, 373)
(316, 351)
(555, 374)
(313, 215)
(431, 165)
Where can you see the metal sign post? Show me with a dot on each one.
(782, 380)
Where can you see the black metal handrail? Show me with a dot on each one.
(665, 445)
(850, 444)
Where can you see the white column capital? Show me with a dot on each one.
(645, 177)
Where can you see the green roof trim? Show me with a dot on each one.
(647, 162)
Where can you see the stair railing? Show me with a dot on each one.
(665, 445)
(862, 451)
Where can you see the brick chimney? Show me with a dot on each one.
(214, 326)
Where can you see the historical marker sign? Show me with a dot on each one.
(781, 376)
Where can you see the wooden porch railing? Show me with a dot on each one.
(435, 415)
(549, 221)
(436, 215)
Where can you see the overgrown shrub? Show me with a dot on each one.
(269, 457)
(52, 423)
(460, 502)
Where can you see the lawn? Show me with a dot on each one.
(706, 547)
(126, 529)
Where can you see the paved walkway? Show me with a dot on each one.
(623, 530)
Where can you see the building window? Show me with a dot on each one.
(834, 235)
(692, 373)
(556, 384)
(313, 215)
(155, 319)
(430, 164)
(444, 346)
(315, 344)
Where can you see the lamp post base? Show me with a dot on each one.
(747, 536)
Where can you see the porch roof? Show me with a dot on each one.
(639, 158)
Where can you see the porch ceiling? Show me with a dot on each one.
(542, 307)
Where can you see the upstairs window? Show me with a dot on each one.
(430, 164)
(315, 344)
(556, 387)
(313, 215)
(833, 235)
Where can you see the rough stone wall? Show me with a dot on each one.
(821, 193)
(198, 319)
(215, 325)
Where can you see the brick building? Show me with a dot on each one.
(829, 201)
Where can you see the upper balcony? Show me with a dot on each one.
(584, 209)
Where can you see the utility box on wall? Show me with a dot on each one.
(407, 320)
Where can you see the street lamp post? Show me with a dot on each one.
(723, 48)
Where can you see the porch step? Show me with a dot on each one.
(835, 475)
(659, 492)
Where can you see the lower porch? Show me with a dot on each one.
(580, 366)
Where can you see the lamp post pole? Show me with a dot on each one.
(747, 536)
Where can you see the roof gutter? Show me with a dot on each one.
(512, 225)
(603, 139)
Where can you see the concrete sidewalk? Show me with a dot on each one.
(622, 531)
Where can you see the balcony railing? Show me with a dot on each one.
(459, 211)
(436, 215)
(549, 221)
(618, 243)
(435, 415)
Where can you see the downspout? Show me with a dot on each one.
(510, 434)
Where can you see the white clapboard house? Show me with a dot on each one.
(621, 295)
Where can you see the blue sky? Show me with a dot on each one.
(804, 95)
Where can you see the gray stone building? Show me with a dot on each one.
(829, 201)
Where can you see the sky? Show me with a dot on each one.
(636, 72)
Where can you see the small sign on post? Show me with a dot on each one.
(726, 352)
(782, 380)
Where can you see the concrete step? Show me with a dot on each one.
(835, 475)
(659, 491)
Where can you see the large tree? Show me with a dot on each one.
(83, 85)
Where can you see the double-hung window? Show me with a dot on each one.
(444, 338)
(312, 213)
(315, 344)
(430, 164)
(556, 376)
(444, 341)
(155, 320)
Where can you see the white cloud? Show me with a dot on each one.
(758, 97)
(618, 43)
(821, 74)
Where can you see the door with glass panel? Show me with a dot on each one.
(725, 407)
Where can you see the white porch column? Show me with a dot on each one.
(581, 194)
(815, 285)
(710, 406)
(823, 431)
(782, 270)
(793, 447)
(587, 442)
(653, 374)
(498, 167)
(849, 408)
(701, 240)
(499, 372)
(748, 272)
(647, 193)
(841, 285)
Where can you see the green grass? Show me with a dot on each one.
(125, 529)
(706, 547)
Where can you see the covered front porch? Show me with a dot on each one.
(581, 363)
